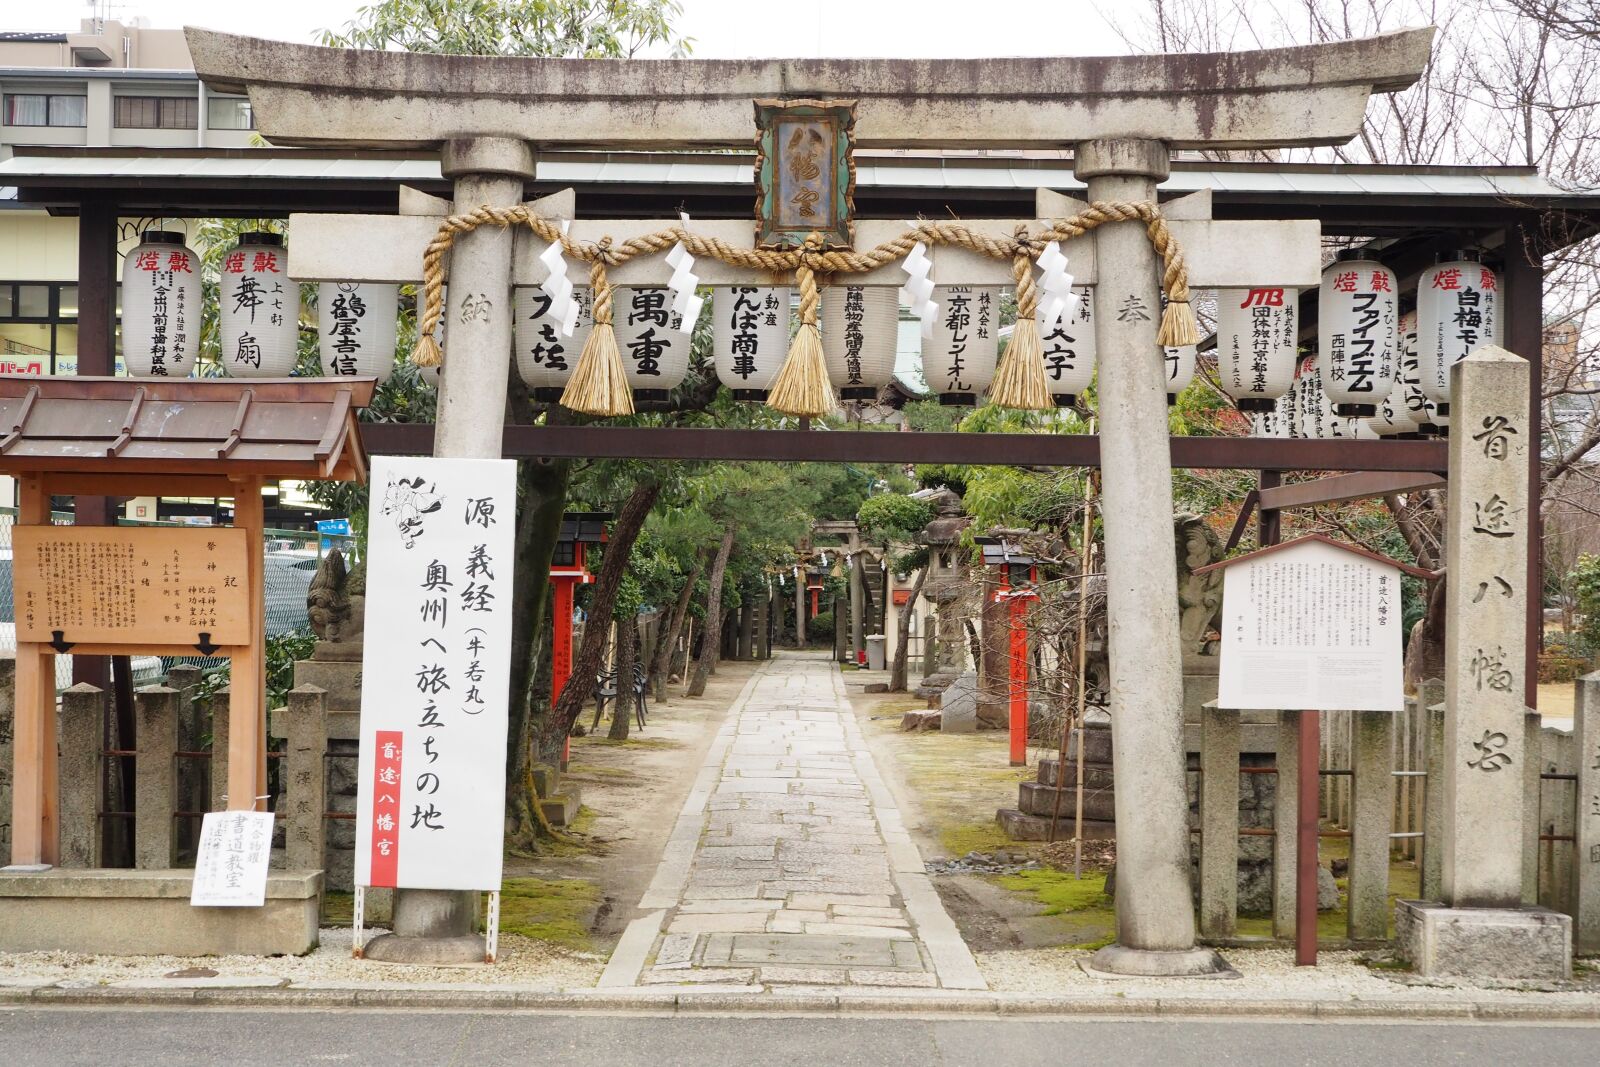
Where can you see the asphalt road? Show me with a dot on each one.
(63, 1037)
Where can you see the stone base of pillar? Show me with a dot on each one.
(1118, 961)
(431, 926)
(1505, 944)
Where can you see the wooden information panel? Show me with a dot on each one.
(132, 585)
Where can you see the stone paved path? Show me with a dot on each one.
(789, 865)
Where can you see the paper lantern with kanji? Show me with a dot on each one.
(1069, 350)
(545, 358)
(1178, 361)
(749, 337)
(160, 306)
(356, 326)
(1289, 411)
(259, 315)
(958, 361)
(1358, 316)
(1397, 415)
(860, 334)
(1458, 310)
(653, 340)
(1257, 341)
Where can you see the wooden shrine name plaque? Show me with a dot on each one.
(132, 585)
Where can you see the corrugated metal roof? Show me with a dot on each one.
(872, 172)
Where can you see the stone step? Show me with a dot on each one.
(1095, 775)
(1036, 799)
(1096, 746)
(1020, 826)
(561, 808)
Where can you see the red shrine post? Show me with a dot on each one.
(568, 570)
(1018, 581)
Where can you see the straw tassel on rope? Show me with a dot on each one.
(599, 382)
(1019, 381)
(802, 387)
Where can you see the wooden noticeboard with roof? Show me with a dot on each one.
(111, 591)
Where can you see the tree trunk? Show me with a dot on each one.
(708, 644)
(542, 496)
(902, 647)
(667, 643)
(580, 687)
(627, 650)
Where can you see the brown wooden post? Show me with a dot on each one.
(1305, 898)
(247, 725)
(34, 791)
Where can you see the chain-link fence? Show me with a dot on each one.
(291, 558)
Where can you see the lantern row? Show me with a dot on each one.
(1369, 366)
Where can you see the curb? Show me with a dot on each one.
(809, 1002)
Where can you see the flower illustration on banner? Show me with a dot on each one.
(407, 500)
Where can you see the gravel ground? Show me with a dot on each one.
(1264, 973)
(523, 962)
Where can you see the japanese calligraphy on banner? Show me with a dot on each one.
(1311, 627)
(230, 870)
(431, 788)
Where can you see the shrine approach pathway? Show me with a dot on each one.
(789, 864)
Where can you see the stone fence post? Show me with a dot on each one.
(1586, 854)
(155, 715)
(83, 723)
(1371, 817)
(1430, 701)
(1219, 821)
(1285, 825)
(219, 748)
(305, 778)
(8, 718)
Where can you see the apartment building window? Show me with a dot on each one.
(156, 112)
(45, 109)
(229, 113)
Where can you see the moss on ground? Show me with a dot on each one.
(338, 909)
(1085, 912)
(959, 839)
(556, 910)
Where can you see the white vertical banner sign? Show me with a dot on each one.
(430, 813)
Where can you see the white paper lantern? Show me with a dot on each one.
(860, 334)
(1289, 410)
(1257, 340)
(545, 359)
(1069, 351)
(749, 337)
(259, 316)
(1358, 316)
(1179, 362)
(1458, 310)
(160, 306)
(653, 342)
(356, 328)
(1314, 408)
(958, 360)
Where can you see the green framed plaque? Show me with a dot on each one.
(805, 172)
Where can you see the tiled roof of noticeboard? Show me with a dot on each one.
(1355, 550)
(260, 427)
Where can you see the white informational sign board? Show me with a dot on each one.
(230, 870)
(1311, 627)
(430, 811)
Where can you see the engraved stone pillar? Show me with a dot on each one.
(1155, 913)
(1371, 815)
(8, 715)
(1487, 594)
(1285, 823)
(305, 778)
(155, 787)
(858, 603)
(83, 715)
(219, 748)
(1586, 871)
(1482, 929)
(1219, 821)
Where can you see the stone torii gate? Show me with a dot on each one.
(1124, 116)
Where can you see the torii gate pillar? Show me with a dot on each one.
(1155, 912)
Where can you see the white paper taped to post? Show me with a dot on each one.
(230, 868)
(430, 808)
(1311, 625)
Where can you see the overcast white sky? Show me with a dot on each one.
(722, 29)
